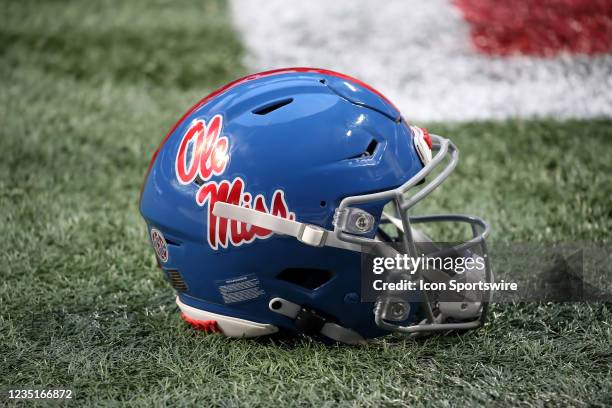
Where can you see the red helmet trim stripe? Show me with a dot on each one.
(427, 138)
(251, 77)
(208, 326)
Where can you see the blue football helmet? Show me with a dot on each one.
(262, 198)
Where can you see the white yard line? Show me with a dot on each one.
(419, 54)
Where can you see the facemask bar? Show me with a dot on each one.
(479, 228)
(434, 322)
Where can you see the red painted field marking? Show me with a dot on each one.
(542, 28)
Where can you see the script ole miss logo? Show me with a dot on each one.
(203, 153)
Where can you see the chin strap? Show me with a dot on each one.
(308, 321)
(308, 234)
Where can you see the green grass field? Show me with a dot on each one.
(87, 91)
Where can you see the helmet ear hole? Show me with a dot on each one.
(308, 278)
(323, 203)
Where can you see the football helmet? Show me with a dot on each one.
(264, 199)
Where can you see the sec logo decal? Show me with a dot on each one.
(159, 245)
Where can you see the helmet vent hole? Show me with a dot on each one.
(308, 278)
(198, 181)
(176, 280)
(368, 152)
(172, 242)
(271, 107)
(371, 148)
(323, 203)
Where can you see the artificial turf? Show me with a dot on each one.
(87, 91)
